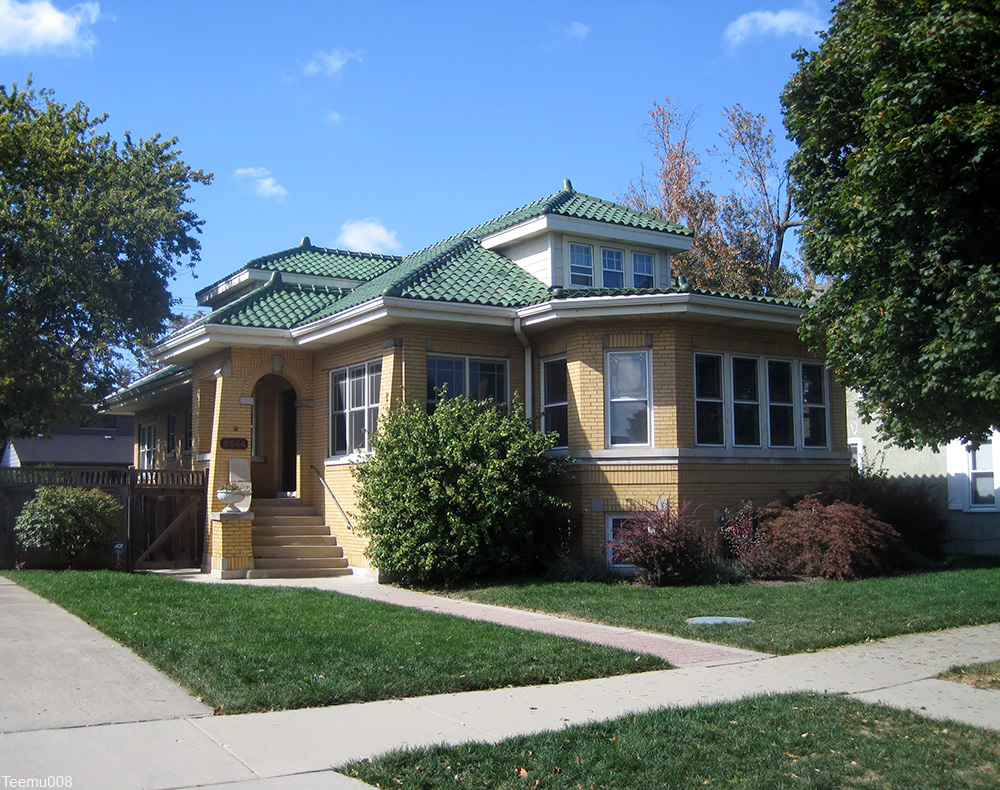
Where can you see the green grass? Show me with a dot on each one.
(984, 676)
(249, 648)
(788, 618)
(799, 741)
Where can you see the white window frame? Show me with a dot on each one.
(610, 520)
(546, 404)
(609, 401)
(613, 264)
(171, 435)
(468, 360)
(651, 274)
(147, 445)
(367, 373)
(581, 275)
(764, 403)
(588, 275)
(962, 475)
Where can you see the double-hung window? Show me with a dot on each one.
(354, 399)
(627, 397)
(555, 399)
(972, 475)
(613, 268)
(471, 377)
(619, 268)
(642, 270)
(171, 435)
(581, 264)
(753, 402)
(982, 482)
(147, 446)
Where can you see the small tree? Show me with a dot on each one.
(68, 520)
(667, 544)
(458, 493)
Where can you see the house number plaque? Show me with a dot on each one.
(233, 443)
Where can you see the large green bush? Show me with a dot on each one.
(68, 520)
(459, 493)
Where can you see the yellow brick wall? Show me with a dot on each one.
(602, 486)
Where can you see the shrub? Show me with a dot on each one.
(668, 545)
(909, 506)
(68, 520)
(740, 529)
(838, 540)
(459, 493)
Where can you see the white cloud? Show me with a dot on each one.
(334, 117)
(327, 64)
(803, 21)
(39, 26)
(367, 235)
(264, 183)
(577, 31)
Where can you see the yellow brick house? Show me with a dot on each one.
(658, 390)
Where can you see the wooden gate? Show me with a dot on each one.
(163, 516)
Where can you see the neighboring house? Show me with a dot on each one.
(658, 390)
(106, 443)
(960, 479)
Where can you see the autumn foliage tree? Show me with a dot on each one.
(90, 233)
(738, 236)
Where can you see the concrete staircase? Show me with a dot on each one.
(291, 541)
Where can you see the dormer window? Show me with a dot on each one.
(619, 267)
(613, 266)
(581, 265)
(642, 270)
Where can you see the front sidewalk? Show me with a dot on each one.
(263, 750)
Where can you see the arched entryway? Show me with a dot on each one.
(274, 437)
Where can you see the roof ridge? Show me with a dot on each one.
(452, 246)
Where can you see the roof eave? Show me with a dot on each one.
(695, 306)
(556, 223)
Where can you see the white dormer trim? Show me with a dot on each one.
(554, 223)
(222, 293)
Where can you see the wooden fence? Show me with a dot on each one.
(163, 516)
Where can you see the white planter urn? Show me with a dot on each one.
(230, 496)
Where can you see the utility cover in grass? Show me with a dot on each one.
(718, 620)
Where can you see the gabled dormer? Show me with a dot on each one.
(571, 240)
(305, 265)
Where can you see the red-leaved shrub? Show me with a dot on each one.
(668, 545)
(836, 541)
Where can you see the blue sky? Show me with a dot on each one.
(387, 126)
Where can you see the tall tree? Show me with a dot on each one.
(90, 233)
(898, 173)
(738, 237)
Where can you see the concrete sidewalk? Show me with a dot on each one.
(108, 747)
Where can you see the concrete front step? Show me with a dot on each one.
(291, 540)
(298, 552)
(294, 540)
(265, 531)
(297, 573)
(303, 563)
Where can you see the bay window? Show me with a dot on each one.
(627, 402)
(555, 399)
(741, 401)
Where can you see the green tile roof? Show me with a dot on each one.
(458, 269)
(312, 261)
(275, 305)
(569, 203)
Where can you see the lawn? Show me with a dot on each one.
(984, 676)
(250, 649)
(799, 741)
(788, 618)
